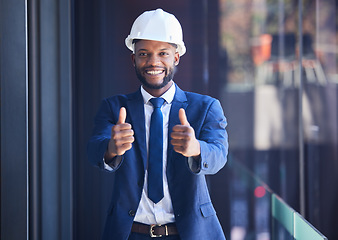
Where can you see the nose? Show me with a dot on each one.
(154, 60)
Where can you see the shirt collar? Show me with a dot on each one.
(168, 96)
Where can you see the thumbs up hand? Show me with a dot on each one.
(183, 137)
(122, 137)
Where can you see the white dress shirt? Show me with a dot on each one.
(161, 212)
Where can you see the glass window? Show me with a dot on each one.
(279, 73)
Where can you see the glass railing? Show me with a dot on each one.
(285, 219)
(271, 217)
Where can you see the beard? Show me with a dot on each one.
(169, 75)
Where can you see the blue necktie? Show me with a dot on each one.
(155, 165)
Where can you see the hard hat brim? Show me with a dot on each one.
(181, 49)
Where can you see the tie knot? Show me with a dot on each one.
(157, 102)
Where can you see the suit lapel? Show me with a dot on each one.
(179, 101)
(136, 112)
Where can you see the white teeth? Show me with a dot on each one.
(154, 72)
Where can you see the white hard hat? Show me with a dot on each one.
(157, 25)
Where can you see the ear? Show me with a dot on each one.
(177, 58)
(132, 56)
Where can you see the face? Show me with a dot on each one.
(155, 65)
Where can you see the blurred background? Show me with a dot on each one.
(273, 64)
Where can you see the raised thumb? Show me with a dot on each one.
(183, 117)
(122, 115)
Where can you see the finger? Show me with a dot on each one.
(181, 128)
(178, 142)
(121, 126)
(123, 145)
(122, 142)
(183, 117)
(179, 149)
(120, 150)
(178, 135)
(120, 134)
(122, 116)
(127, 146)
(128, 140)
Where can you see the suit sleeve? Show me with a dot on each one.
(213, 140)
(98, 142)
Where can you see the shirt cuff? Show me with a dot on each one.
(113, 163)
(194, 164)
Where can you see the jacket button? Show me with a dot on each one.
(131, 213)
(205, 165)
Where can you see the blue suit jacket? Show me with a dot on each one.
(194, 213)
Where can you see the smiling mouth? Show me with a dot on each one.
(154, 72)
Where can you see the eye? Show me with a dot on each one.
(164, 53)
(142, 54)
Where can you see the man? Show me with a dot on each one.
(159, 154)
